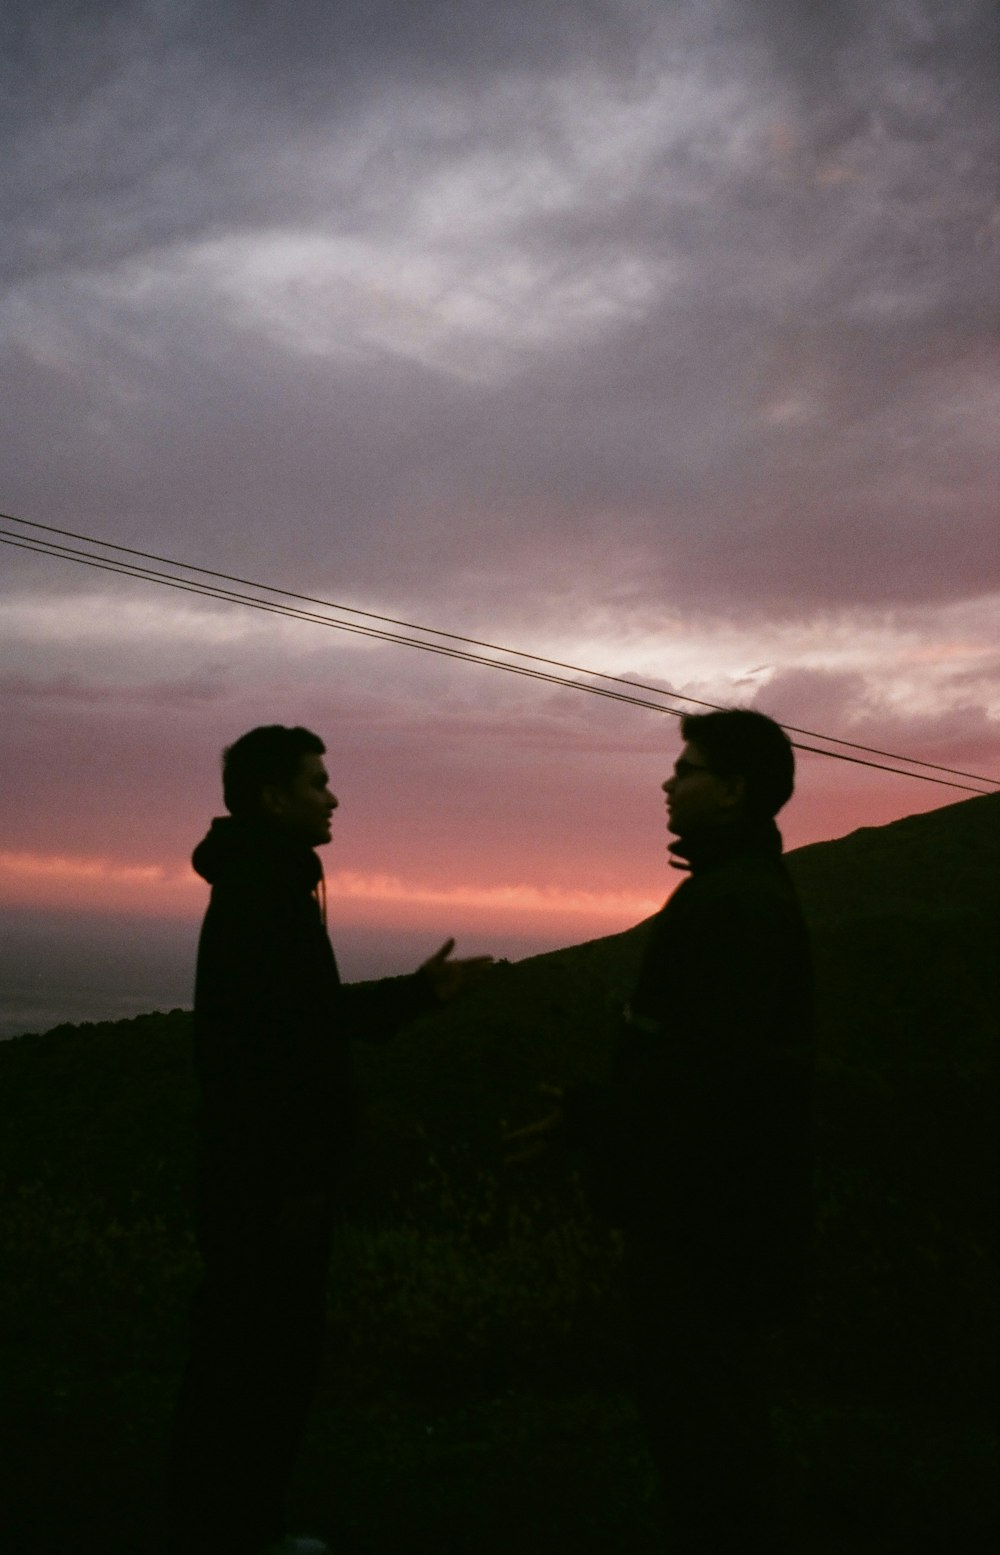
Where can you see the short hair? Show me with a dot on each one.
(742, 743)
(270, 754)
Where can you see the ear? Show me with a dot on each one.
(272, 801)
(734, 791)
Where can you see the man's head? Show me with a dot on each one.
(277, 775)
(736, 765)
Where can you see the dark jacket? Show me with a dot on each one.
(700, 1145)
(272, 1020)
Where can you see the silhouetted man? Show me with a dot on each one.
(272, 1025)
(700, 1144)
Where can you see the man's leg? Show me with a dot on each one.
(257, 1335)
(705, 1415)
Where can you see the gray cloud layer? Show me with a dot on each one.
(394, 297)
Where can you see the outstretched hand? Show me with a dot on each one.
(450, 978)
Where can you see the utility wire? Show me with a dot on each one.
(229, 596)
(411, 626)
(214, 591)
(211, 591)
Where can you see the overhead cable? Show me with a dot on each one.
(412, 626)
(215, 591)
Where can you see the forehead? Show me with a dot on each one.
(691, 755)
(312, 769)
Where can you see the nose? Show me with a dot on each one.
(334, 802)
(667, 785)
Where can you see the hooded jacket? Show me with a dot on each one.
(272, 1020)
(700, 1143)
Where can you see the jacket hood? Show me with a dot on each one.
(232, 846)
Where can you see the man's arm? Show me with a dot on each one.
(377, 1010)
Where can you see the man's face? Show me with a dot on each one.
(698, 797)
(304, 806)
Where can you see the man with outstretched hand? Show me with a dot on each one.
(272, 1024)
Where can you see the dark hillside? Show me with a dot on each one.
(943, 861)
(475, 1398)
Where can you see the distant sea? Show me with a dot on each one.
(62, 967)
(58, 967)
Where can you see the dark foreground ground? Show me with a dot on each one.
(474, 1399)
(512, 1470)
(517, 1472)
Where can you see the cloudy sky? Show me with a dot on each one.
(656, 337)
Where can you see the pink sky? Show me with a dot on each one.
(538, 818)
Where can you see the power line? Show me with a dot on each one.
(125, 570)
(412, 626)
(210, 591)
(214, 591)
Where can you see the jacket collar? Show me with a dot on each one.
(714, 845)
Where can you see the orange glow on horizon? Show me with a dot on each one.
(92, 884)
(56, 866)
(95, 883)
(519, 898)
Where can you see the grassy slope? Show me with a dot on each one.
(474, 1396)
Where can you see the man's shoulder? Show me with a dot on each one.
(248, 903)
(240, 892)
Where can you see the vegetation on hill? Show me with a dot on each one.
(475, 1397)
